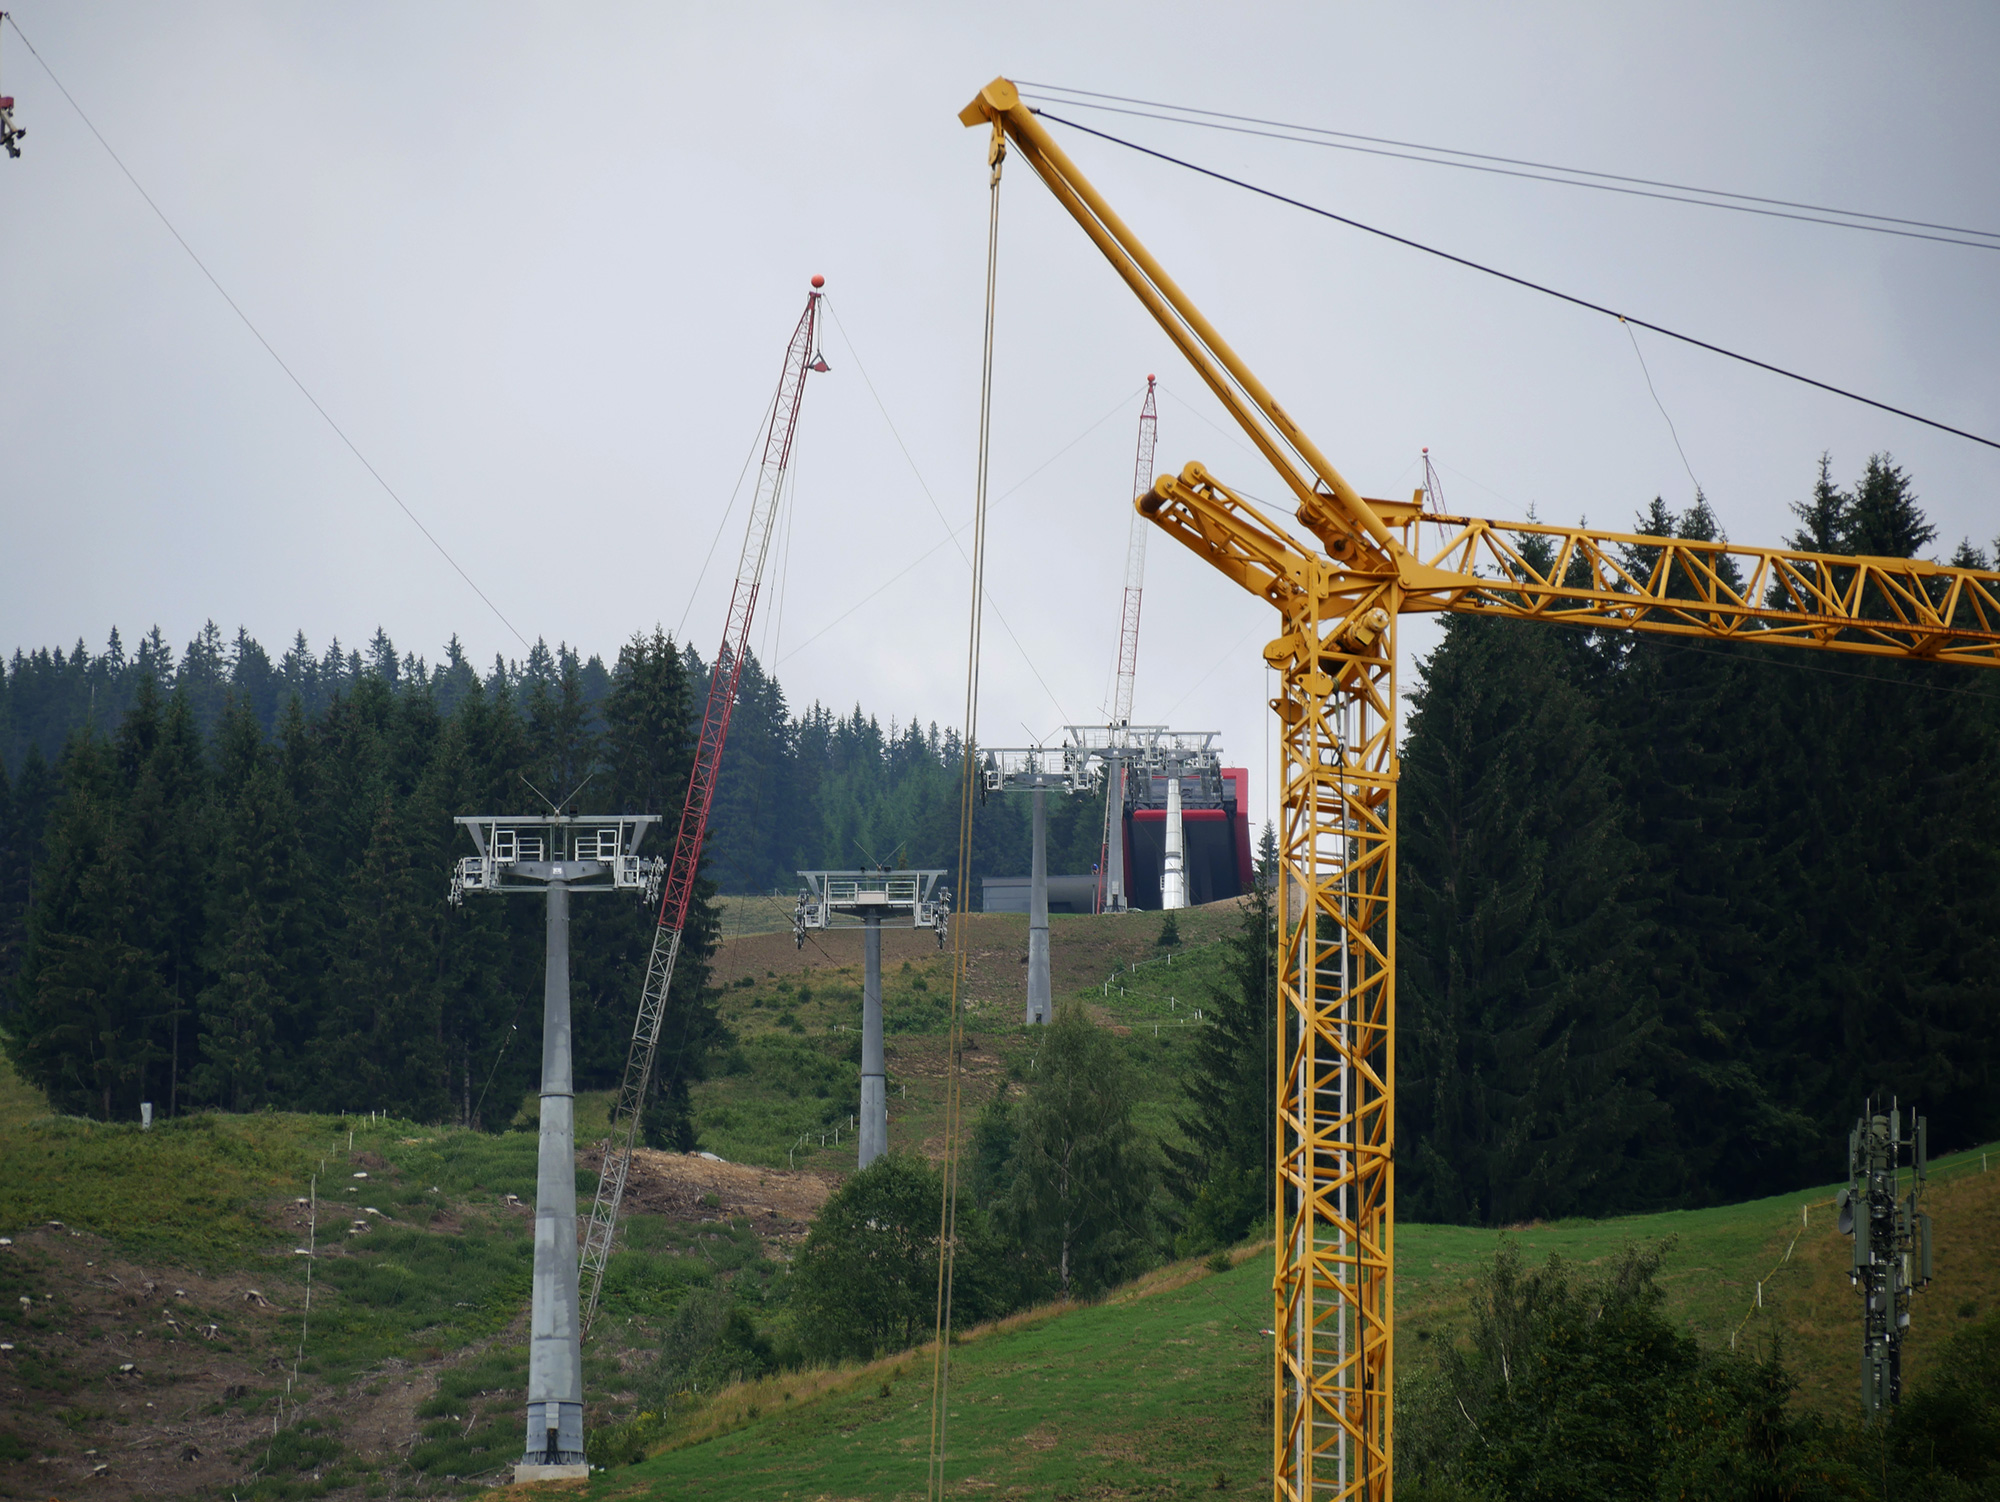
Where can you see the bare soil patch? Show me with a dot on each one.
(779, 1203)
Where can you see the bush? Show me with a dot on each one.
(866, 1279)
(1576, 1389)
(710, 1342)
(1944, 1442)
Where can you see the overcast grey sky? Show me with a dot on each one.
(540, 263)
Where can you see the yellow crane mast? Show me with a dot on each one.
(1334, 1283)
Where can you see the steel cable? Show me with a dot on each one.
(954, 1088)
(1519, 281)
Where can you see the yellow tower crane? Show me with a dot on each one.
(1334, 1286)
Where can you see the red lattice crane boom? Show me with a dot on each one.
(801, 357)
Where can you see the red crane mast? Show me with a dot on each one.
(801, 357)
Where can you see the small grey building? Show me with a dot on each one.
(1009, 894)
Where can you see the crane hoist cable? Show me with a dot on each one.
(802, 357)
(967, 802)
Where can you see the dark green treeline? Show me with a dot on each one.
(222, 879)
(1669, 912)
(248, 919)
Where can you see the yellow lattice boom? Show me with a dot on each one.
(1338, 604)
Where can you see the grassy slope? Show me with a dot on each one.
(1165, 1387)
(1168, 1389)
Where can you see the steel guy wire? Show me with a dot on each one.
(201, 265)
(1661, 405)
(941, 544)
(951, 533)
(1520, 281)
(763, 426)
(1477, 161)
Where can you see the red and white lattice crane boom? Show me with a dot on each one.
(801, 357)
(1135, 566)
(1111, 857)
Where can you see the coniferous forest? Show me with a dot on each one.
(222, 877)
(1669, 911)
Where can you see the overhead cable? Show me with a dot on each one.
(951, 539)
(1479, 161)
(1519, 281)
(951, 534)
(338, 432)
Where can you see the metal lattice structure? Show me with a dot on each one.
(1111, 856)
(1892, 1242)
(1337, 599)
(1135, 565)
(801, 357)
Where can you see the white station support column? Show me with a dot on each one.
(1038, 916)
(1173, 878)
(867, 900)
(874, 1084)
(1114, 840)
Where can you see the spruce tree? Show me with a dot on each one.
(13, 888)
(1221, 1169)
(90, 997)
(28, 803)
(1521, 1037)
(379, 1041)
(1884, 520)
(649, 746)
(263, 984)
(168, 820)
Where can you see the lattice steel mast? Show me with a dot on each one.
(1135, 564)
(1111, 894)
(1892, 1242)
(801, 357)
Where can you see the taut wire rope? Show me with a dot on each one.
(1479, 161)
(967, 801)
(1519, 281)
(950, 533)
(258, 334)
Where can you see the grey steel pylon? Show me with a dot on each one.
(556, 854)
